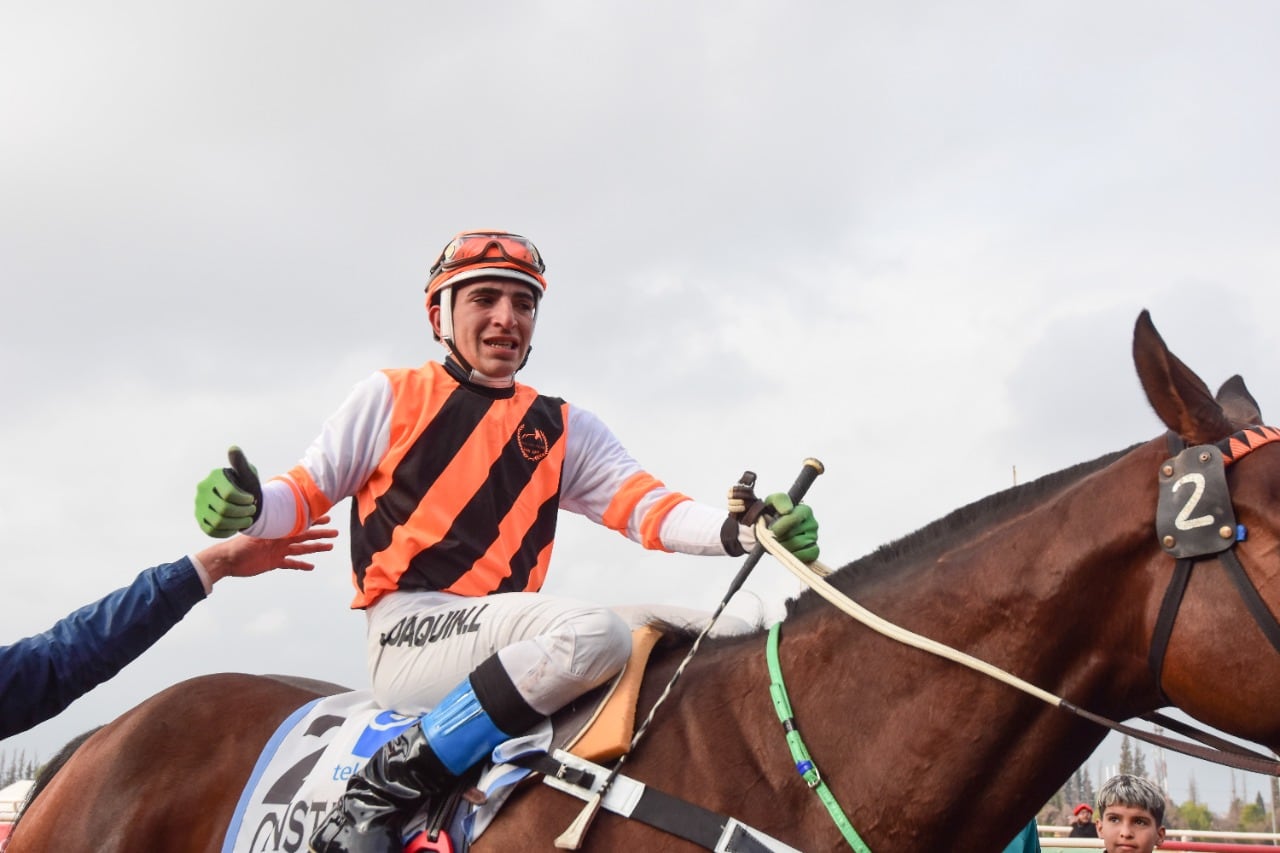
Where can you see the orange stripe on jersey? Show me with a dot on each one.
(651, 526)
(466, 489)
(618, 515)
(308, 498)
(511, 533)
(466, 473)
(375, 586)
(539, 573)
(414, 404)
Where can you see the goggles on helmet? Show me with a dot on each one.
(471, 252)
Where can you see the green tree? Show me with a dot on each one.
(1254, 817)
(1126, 757)
(1195, 815)
(1059, 800)
(12, 770)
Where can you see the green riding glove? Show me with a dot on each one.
(796, 529)
(229, 499)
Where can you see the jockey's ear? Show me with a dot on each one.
(433, 317)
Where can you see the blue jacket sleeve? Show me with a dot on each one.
(41, 675)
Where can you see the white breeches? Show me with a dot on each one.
(422, 644)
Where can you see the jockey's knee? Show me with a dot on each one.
(603, 645)
(586, 649)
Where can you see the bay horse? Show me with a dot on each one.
(922, 754)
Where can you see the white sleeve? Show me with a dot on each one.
(596, 467)
(694, 528)
(340, 460)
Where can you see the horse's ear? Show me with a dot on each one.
(1180, 398)
(1238, 403)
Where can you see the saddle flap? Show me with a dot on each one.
(600, 729)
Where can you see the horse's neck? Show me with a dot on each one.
(963, 759)
(1031, 595)
(1038, 592)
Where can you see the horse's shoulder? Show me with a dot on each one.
(241, 683)
(314, 685)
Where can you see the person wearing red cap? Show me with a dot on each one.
(1082, 825)
(457, 473)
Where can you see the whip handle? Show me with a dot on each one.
(809, 472)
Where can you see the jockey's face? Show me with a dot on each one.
(493, 323)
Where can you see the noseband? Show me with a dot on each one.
(1195, 521)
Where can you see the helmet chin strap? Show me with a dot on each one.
(446, 336)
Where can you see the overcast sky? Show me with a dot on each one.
(909, 239)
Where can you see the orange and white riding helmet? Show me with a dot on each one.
(472, 255)
(487, 254)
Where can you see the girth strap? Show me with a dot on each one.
(637, 801)
(546, 765)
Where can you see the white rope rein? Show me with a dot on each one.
(814, 576)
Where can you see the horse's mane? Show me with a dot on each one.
(936, 536)
(932, 538)
(676, 638)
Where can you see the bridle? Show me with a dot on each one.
(1185, 533)
(1193, 539)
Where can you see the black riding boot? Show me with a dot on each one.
(423, 761)
(381, 796)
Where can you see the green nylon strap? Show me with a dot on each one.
(799, 752)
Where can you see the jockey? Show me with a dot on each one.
(457, 473)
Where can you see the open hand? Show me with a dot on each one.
(246, 556)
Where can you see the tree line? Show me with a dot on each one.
(16, 766)
(1243, 814)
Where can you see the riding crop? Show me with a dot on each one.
(571, 838)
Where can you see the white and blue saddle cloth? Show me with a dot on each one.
(304, 769)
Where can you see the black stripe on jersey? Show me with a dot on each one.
(539, 537)
(414, 476)
(475, 529)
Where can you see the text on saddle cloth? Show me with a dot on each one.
(304, 768)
